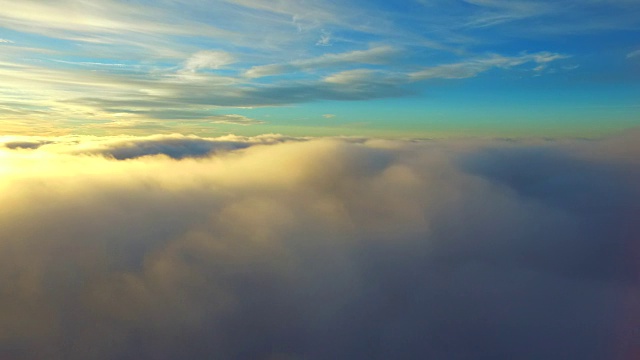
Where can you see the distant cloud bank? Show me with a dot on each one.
(269, 247)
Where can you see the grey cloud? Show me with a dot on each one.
(350, 85)
(25, 144)
(377, 85)
(323, 249)
(175, 146)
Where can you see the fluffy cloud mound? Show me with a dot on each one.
(322, 249)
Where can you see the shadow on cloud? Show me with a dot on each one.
(175, 146)
(322, 249)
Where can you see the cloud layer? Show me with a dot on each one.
(270, 248)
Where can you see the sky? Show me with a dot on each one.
(414, 68)
(312, 180)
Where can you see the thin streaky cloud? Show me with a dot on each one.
(474, 67)
(633, 54)
(374, 55)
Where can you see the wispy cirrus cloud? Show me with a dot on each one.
(633, 54)
(497, 12)
(97, 17)
(554, 17)
(474, 67)
(208, 59)
(234, 119)
(116, 93)
(375, 55)
(325, 38)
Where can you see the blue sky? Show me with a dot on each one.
(406, 68)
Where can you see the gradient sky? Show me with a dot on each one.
(319, 67)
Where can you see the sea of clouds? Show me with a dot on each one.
(273, 248)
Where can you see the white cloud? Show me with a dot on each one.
(352, 76)
(105, 21)
(267, 70)
(208, 59)
(325, 38)
(5, 41)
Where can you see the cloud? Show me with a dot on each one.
(551, 17)
(325, 38)
(319, 249)
(507, 11)
(374, 55)
(132, 26)
(209, 59)
(633, 54)
(126, 94)
(304, 17)
(352, 76)
(234, 119)
(174, 146)
(329, 116)
(27, 144)
(473, 67)
(5, 41)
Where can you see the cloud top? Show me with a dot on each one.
(327, 248)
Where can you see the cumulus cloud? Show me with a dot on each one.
(322, 249)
